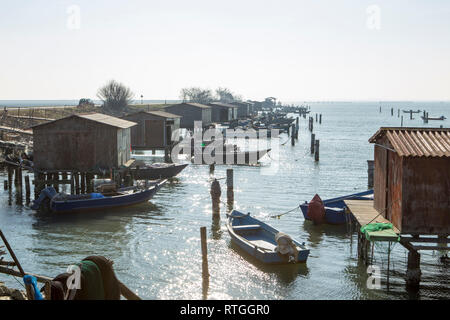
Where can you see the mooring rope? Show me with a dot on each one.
(282, 214)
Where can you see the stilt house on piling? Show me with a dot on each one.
(412, 179)
(154, 130)
(82, 142)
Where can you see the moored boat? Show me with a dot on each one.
(158, 171)
(53, 202)
(335, 207)
(264, 242)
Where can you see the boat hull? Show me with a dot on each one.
(249, 242)
(152, 173)
(335, 208)
(99, 204)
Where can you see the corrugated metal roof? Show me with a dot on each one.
(164, 114)
(220, 104)
(97, 117)
(416, 142)
(109, 120)
(193, 104)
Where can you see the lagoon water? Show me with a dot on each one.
(156, 246)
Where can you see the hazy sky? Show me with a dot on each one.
(293, 50)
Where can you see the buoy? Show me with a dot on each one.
(316, 210)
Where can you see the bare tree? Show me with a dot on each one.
(224, 95)
(195, 94)
(115, 96)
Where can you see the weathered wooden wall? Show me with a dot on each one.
(190, 114)
(426, 195)
(75, 143)
(379, 179)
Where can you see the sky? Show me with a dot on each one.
(299, 50)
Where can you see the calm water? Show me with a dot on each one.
(156, 246)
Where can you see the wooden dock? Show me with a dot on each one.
(365, 213)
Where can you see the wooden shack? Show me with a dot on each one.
(191, 112)
(412, 179)
(154, 129)
(83, 142)
(223, 112)
(243, 109)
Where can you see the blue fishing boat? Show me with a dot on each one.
(263, 242)
(335, 208)
(53, 202)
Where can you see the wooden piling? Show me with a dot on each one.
(5, 184)
(292, 135)
(211, 169)
(392, 112)
(316, 117)
(313, 137)
(83, 182)
(320, 119)
(77, 183)
(230, 190)
(215, 197)
(401, 125)
(72, 183)
(205, 271)
(316, 151)
(413, 273)
(27, 188)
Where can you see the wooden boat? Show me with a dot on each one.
(259, 240)
(432, 118)
(158, 171)
(51, 201)
(335, 207)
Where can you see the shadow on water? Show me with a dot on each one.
(316, 233)
(141, 210)
(286, 273)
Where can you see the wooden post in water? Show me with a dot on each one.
(316, 151)
(5, 185)
(392, 112)
(313, 137)
(77, 183)
(320, 119)
(211, 169)
(27, 188)
(205, 271)
(83, 182)
(312, 124)
(293, 135)
(413, 273)
(215, 197)
(401, 125)
(316, 117)
(230, 191)
(10, 177)
(72, 183)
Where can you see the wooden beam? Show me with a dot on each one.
(429, 240)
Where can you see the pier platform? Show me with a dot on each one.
(365, 213)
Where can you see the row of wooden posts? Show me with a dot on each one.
(315, 143)
(215, 193)
(80, 182)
